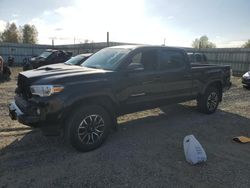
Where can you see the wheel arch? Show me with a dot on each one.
(103, 100)
(215, 83)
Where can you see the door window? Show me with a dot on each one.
(147, 59)
(172, 60)
(136, 59)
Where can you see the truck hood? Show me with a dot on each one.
(62, 73)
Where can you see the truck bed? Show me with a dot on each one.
(199, 65)
(203, 68)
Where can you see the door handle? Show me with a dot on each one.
(152, 81)
(138, 94)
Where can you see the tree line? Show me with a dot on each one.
(246, 44)
(29, 34)
(203, 42)
(24, 34)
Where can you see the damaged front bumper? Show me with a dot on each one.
(35, 112)
(16, 113)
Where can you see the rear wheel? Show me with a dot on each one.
(88, 128)
(208, 102)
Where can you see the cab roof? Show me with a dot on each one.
(133, 47)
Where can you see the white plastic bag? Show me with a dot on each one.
(193, 150)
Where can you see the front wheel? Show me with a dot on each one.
(88, 128)
(208, 102)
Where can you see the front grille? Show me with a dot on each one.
(23, 87)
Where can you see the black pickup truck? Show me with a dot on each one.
(48, 57)
(85, 101)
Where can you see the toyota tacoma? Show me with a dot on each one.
(84, 101)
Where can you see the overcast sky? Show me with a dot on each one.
(225, 22)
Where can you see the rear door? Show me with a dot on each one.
(175, 74)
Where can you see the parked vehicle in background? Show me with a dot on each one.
(246, 79)
(76, 60)
(27, 59)
(4, 70)
(84, 101)
(1, 64)
(195, 57)
(46, 58)
(11, 61)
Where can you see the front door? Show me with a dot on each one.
(140, 86)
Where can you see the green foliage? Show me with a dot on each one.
(246, 45)
(203, 42)
(26, 34)
(29, 34)
(11, 33)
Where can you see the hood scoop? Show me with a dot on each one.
(47, 68)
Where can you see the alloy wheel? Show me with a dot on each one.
(212, 101)
(91, 129)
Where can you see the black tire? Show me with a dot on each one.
(88, 128)
(209, 101)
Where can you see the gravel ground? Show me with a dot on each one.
(146, 151)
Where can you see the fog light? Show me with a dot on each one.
(38, 111)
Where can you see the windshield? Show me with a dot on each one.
(75, 60)
(107, 58)
(45, 54)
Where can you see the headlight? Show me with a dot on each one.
(45, 90)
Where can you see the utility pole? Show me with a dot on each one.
(75, 45)
(53, 42)
(108, 39)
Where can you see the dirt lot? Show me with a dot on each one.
(146, 151)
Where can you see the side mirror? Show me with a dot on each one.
(135, 67)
